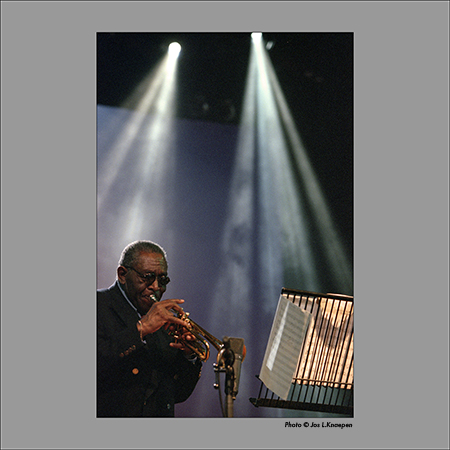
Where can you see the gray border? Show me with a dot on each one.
(48, 209)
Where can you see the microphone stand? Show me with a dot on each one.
(229, 381)
(225, 361)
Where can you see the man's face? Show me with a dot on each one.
(138, 289)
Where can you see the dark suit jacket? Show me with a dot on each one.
(136, 379)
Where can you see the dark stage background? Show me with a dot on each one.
(228, 262)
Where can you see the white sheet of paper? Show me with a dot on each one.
(284, 346)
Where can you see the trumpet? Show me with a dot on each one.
(200, 346)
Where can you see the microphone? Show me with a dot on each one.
(238, 348)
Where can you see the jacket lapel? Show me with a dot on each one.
(121, 306)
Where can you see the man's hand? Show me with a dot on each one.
(160, 315)
(182, 335)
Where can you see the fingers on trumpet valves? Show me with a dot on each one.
(187, 323)
(176, 336)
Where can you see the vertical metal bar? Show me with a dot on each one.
(326, 344)
(343, 328)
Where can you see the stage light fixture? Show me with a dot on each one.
(174, 49)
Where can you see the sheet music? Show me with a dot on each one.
(284, 346)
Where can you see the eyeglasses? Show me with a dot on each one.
(150, 277)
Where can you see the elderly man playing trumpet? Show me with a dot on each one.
(142, 370)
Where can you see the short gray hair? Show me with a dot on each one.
(132, 251)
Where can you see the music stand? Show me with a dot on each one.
(323, 378)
